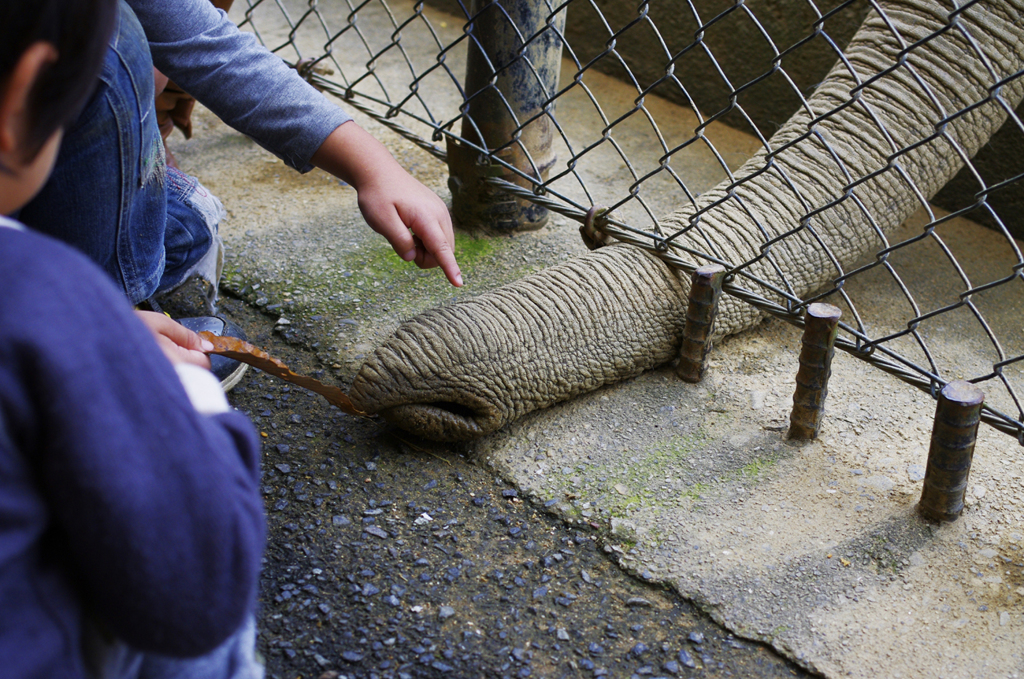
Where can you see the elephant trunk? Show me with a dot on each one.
(865, 152)
(465, 370)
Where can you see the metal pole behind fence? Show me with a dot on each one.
(515, 53)
(821, 325)
(954, 434)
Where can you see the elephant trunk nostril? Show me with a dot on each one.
(456, 409)
(441, 420)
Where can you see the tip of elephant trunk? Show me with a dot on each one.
(449, 422)
(437, 419)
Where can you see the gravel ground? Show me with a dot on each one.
(392, 558)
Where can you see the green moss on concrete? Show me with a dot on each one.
(668, 458)
(627, 503)
(360, 282)
(885, 557)
(471, 249)
(754, 469)
(697, 490)
(653, 463)
(380, 259)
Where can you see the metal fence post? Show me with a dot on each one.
(515, 51)
(821, 325)
(954, 433)
(705, 291)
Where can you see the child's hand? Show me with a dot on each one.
(412, 218)
(179, 344)
(408, 214)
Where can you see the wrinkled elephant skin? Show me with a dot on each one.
(606, 327)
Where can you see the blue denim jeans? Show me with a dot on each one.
(111, 194)
(234, 659)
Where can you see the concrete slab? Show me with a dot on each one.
(814, 548)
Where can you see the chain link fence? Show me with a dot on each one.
(664, 124)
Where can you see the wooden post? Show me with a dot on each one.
(705, 290)
(954, 434)
(821, 325)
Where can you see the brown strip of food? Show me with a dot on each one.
(240, 350)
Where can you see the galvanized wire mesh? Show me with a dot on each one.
(684, 94)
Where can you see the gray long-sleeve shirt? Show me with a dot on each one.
(243, 83)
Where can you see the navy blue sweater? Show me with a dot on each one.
(117, 499)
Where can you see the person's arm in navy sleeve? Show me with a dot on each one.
(160, 505)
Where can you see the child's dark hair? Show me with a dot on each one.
(79, 30)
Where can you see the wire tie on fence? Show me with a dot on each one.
(590, 231)
(309, 69)
(957, 416)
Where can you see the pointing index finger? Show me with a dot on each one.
(440, 255)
